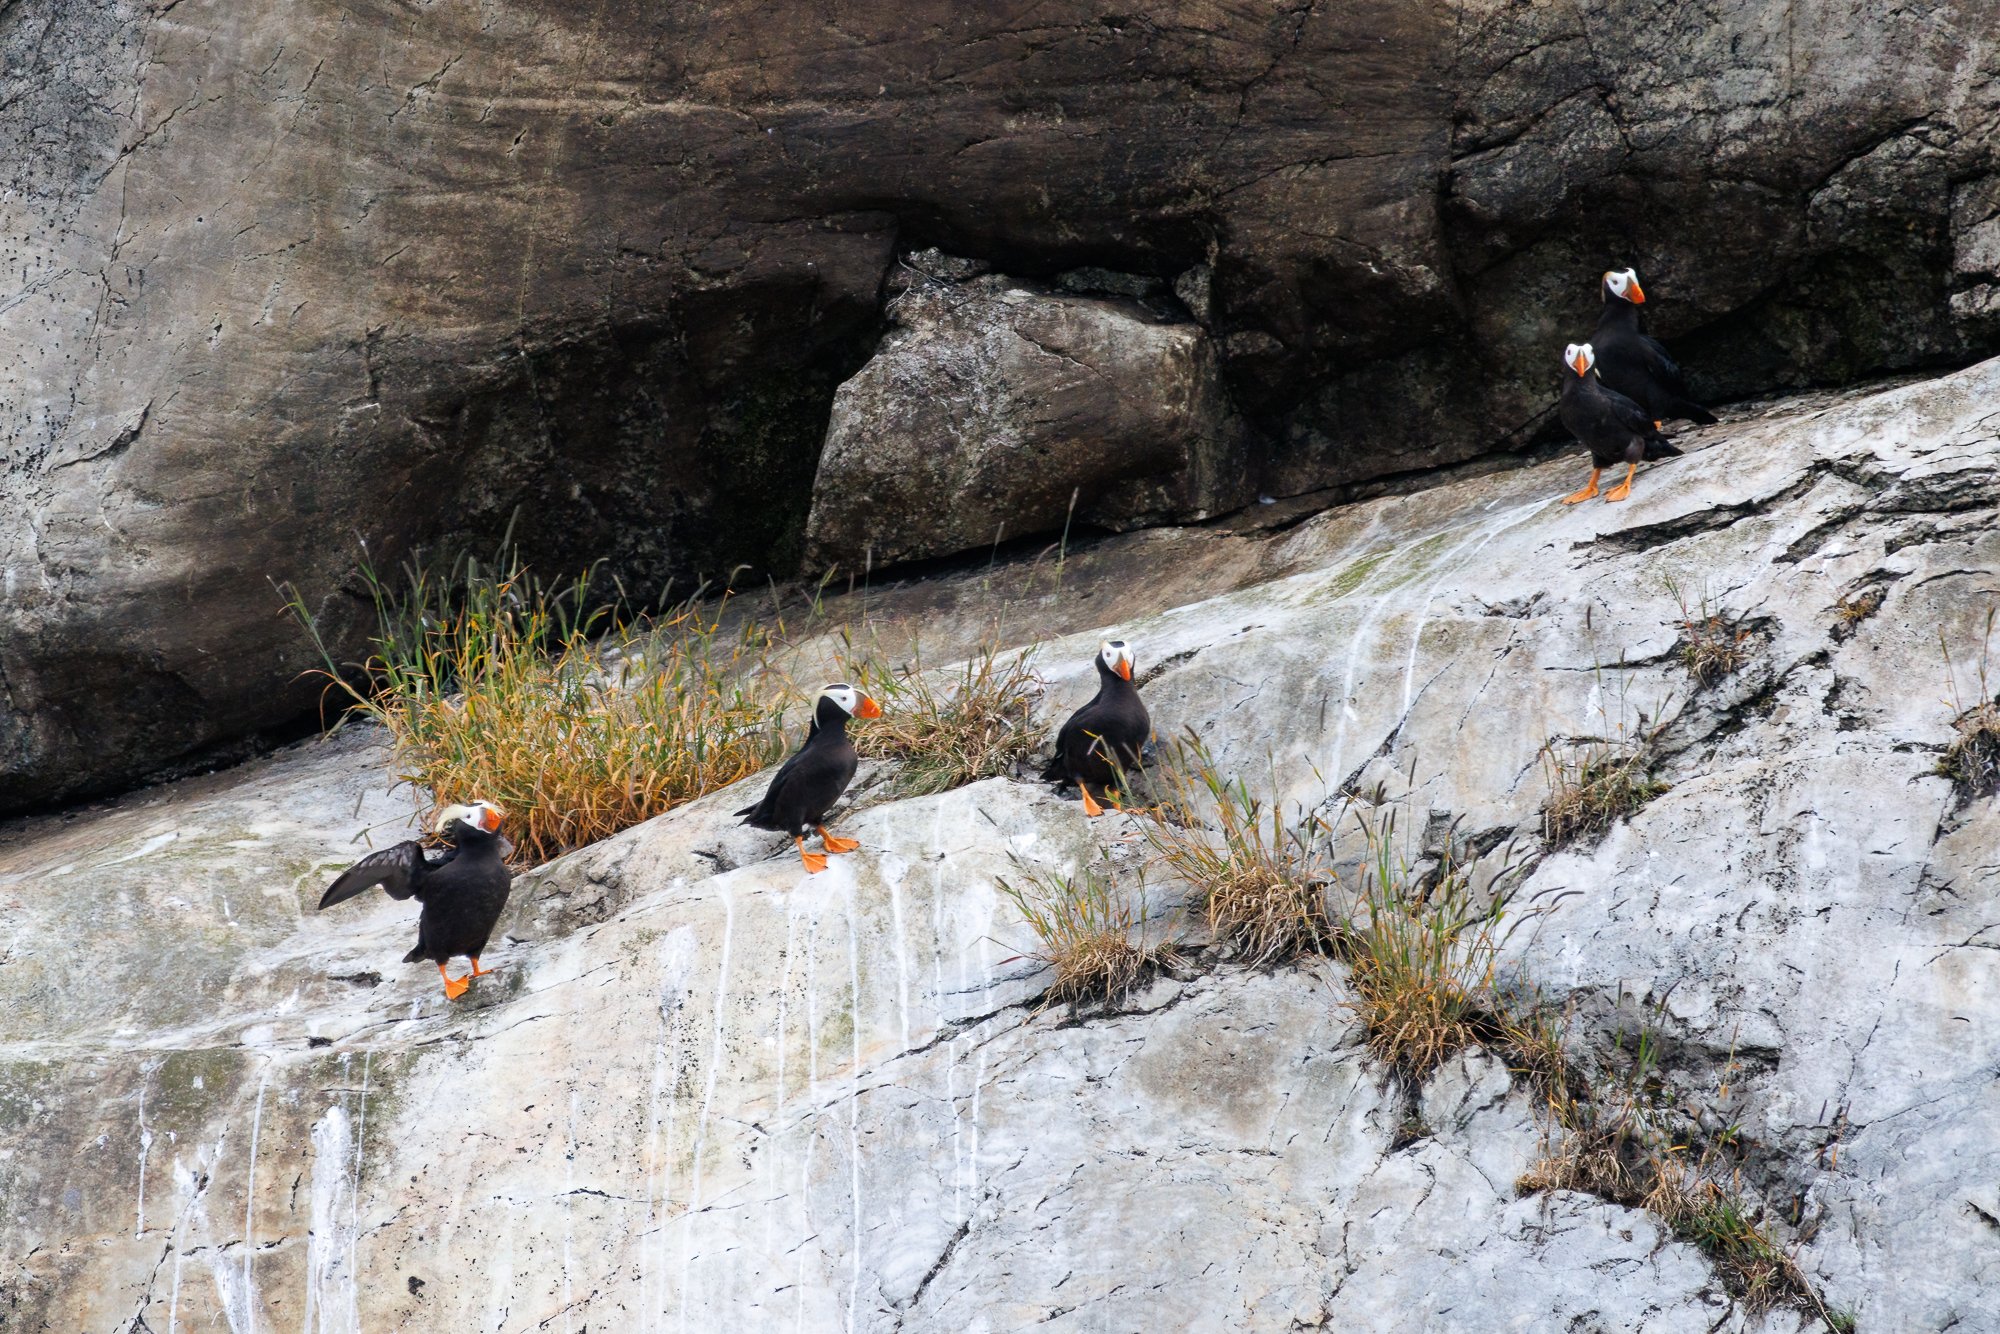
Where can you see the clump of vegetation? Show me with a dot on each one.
(1972, 759)
(1533, 1038)
(1420, 952)
(1712, 645)
(944, 731)
(1621, 1140)
(1593, 785)
(1850, 612)
(1597, 1138)
(1420, 947)
(1714, 1216)
(575, 719)
(1091, 935)
(1262, 884)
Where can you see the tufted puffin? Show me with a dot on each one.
(1106, 735)
(1632, 362)
(804, 790)
(1616, 429)
(462, 892)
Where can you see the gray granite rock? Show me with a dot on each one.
(996, 408)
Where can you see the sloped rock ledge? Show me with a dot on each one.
(722, 1092)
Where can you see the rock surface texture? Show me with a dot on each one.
(994, 408)
(278, 275)
(706, 1091)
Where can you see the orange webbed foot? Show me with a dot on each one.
(1578, 497)
(454, 987)
(477, 971)
(815, 862)
(1090, 806)
(1617, 493)
(834, 844)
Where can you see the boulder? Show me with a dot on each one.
(704, 1089)
(998, 408)
(279, 275)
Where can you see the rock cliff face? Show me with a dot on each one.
(282, 275)
(708, 1091)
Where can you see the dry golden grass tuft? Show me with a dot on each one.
(945, 730)
(1712, 645)
(1972, 759)
(576, 722)
(1849, 613)
(1090, 935)
(1421, 952)
(1261, 884)
(1593, 785)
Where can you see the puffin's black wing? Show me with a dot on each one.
(1635, 419)
(1666, 372)
(400, 870)
(760, 809)
(806, 788)
(1073, 742)
(1670, 386)
(1092, 745)
(1625, 412)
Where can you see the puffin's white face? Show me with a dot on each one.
(851, 701)
(479, 815)
(1625, 283)
(1117, 655)
(1579, 357)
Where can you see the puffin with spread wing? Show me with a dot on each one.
(463, 892)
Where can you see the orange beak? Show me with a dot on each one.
(1124, 668)
(868, 708)
(1580, 366)
(1634, 294)
(489, 819)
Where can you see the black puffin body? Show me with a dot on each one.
(1615, 429)
(1104, 737)
(1632, 362)
(805, 788)
(463, 892)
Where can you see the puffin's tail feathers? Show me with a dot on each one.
(747, 810)
(1659, 447)
(1698, 414)
(414, 954)
(1053, 771)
